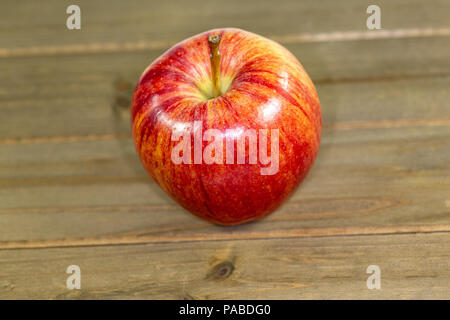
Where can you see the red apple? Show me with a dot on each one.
(227, 123)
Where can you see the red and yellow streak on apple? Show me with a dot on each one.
(259, 85)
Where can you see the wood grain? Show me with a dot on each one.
(84, 95)
(413, 266)
(92, 191)
(72, 190)
(29, 24)
(365, 176)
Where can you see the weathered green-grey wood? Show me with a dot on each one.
(98, 190)
(412, 266)
(89, 94)
(70, 179)
(34, 24)
(386, 168)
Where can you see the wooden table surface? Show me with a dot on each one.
(73, 191)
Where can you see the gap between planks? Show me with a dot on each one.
(142, 238)
(286, 39)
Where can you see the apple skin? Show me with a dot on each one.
(175, 90)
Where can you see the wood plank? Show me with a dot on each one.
(72, 190)
(365, 175)
(413, 266)
(89, 94)
(30, 24)
(364, 181)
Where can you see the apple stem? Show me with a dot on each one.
(214, 55)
